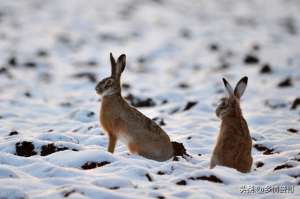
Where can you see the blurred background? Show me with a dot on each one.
(170, 35)
(178, 51)
(52, 53)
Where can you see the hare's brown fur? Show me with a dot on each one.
(234, 144)
(138, 132)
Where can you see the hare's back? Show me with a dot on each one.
(140, 123)
(150, 131)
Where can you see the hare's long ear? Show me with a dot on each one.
(121, 63)
(228, 87)
(241, 87)
(113, 65)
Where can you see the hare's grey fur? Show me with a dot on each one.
(123, 122)
(234, 144)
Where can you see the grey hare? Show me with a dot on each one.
(124, 122)
(234, 144)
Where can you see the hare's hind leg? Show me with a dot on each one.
(112, 140)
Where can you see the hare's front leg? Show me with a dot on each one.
(112, 140)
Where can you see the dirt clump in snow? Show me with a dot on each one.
(93, 165)
(296, 103)
(266, 150)
(25, 149)
(51, 148)
(283, 166)
(139, 102)
(285, 83)
(211, 178)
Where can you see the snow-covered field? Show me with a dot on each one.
(52, 53)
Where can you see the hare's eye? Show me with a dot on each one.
(108, 83)
(223, 103)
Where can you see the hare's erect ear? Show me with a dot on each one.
(121, 63)
(113, 65)
(228, 87)
(241, 87)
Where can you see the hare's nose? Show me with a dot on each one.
(96, 87)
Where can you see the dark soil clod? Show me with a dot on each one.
(214, 47)
(68, 193)
(160, 121)
(27, 94)
(30, 64)
(211, 178)
(296, 103)
(148, 177)
(138, 102)
(164, 101)
(141, 60)
(126, 86)
(13, 133)
(265, 69)
(175, 158)
(42, 53)
(181, 182)
(25, 149)
(3, 70)
(285, 83)
(93, 165)
(275, 105)
(251, 59)
(259, 164)
(92, 63)
(51, 148)
(292, 130)
(183, 85)
(12, 61)
(189, 105)
(90, 114)
(179, 150)
(296, 159)
(296, 176)
(266, 150)
(284, 166)
(88, 75)
(114, 188)
(161, 173)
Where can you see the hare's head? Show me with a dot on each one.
(111, 85)
(230, 106)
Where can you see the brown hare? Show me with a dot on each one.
(233, 147)
(125, 123)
